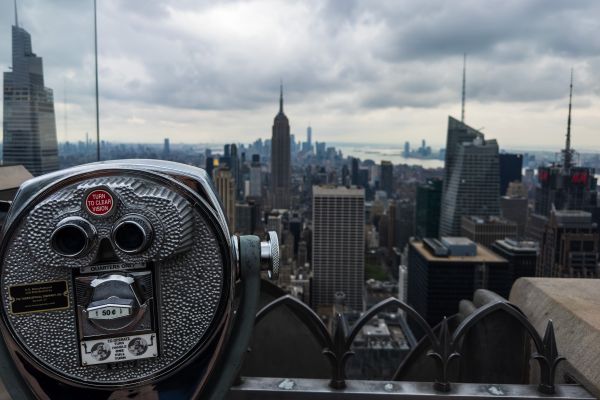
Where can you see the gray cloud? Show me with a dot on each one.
(339, 56)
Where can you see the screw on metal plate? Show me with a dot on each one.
(269, 254)
(495, 390)
(286, 384)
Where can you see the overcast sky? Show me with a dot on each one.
(357, 71)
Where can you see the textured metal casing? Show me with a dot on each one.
(191, 254)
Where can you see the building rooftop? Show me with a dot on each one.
(572, 217)
(492, 219)
(483, 255)
(377, 328)
(330, 190)
(12, 176)
(521, 246)
(456, 241)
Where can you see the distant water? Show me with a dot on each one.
(378, 153)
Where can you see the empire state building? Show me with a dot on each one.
(280, 159)
(29, 124)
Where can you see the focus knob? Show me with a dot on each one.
(269, 254)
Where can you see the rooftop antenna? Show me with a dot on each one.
(16, 15)
(568, 157)
(280, 96)
(462, 114)
(96, 65)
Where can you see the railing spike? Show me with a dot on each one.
(443, 353)
(548, 360)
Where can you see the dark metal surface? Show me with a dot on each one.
(231, 362)
(445, 346)
(315, 389)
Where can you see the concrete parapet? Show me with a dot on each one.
(574, 307)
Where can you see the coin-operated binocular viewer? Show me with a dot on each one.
(121, 280)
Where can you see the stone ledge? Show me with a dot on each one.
(574, 307)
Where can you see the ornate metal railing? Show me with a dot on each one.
(445, 347)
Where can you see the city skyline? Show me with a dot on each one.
(380, 85)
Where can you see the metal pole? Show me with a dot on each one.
(249, 247)
(462, 114)
(96, 65)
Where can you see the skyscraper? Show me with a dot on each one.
(569, 246)
(209, 166)
(443, 272)
(235, 170)
(427, 210)
(338, 245)
(471, 177)
(387, 177)
(511, 170)
(255, 176)
(307, 146)
(563, 187)
(404, 218)
(166, 148)
(521, 257)
(354, 171)
(29, 123)
(515, 209)
(225, 184)
(487, 230)
(280, 158)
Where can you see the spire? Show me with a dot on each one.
(16, 15)
(462, 114)
(568, 151)
(281, 96)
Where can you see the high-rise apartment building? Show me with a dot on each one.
(29, 123)
(471, 177)
(280, 159)
(338, 242)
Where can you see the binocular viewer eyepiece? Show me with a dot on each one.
(121, 278)
(72, 236)
(132, 234)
